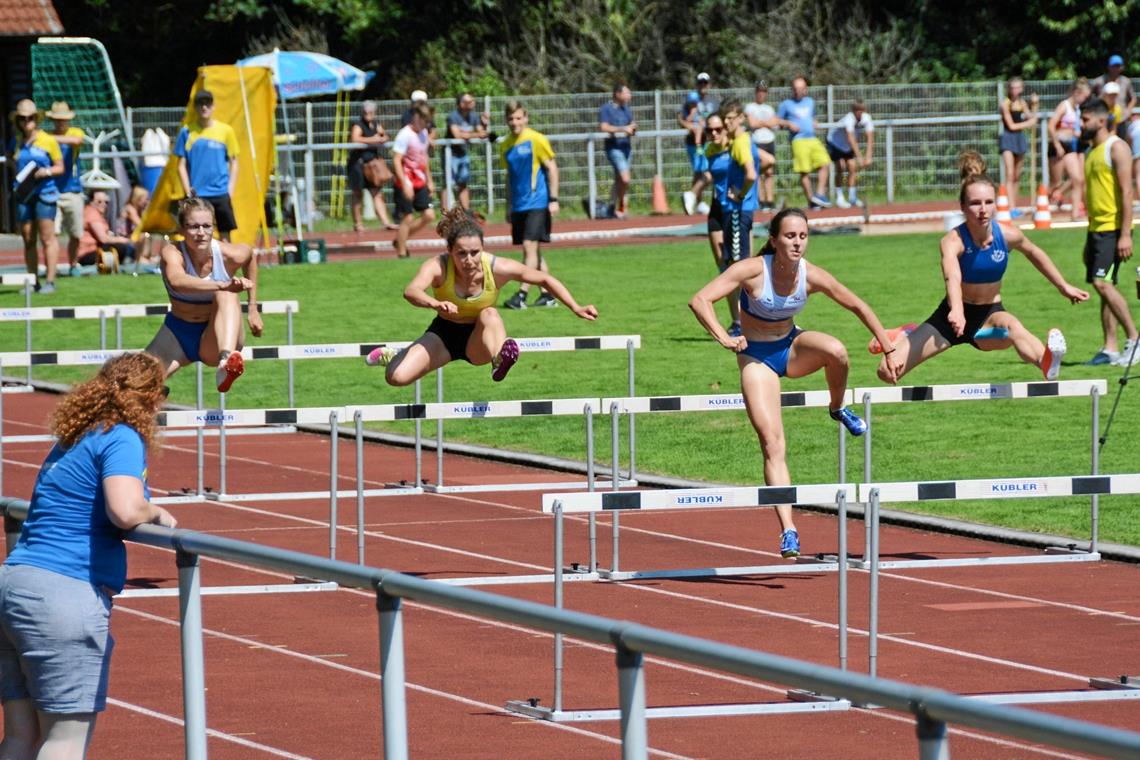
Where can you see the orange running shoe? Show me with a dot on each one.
(894, 335)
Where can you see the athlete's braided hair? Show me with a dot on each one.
(458, 222)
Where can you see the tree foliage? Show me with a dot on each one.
(538, 46)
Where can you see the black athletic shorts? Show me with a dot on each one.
(223, 213)
(421, 201)
(1101, 261)
(454, 336)
(531, 225)
(716, 215)
(976, 316)
(837, 154)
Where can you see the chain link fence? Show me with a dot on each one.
(913, 161)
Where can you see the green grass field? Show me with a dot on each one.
(644, 290)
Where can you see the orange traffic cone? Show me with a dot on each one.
(1003, 214)
(660, 202)
(1042, 219)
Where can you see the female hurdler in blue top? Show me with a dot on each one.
(774, 287)
(974, 258)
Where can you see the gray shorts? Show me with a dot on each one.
(55, 640)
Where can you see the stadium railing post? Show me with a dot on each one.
(193, 662)
(393, 707)
(591, 179)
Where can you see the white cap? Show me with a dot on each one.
(703, 77)
(418, 95)
(1111, 88)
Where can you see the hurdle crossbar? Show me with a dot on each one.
(711, 403)
(17, 278)
(697, 498)
(42, 313)
(979, 391)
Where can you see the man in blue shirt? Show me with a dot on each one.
(207, 153)
(616, 119)
(808, 153)
(464, 124)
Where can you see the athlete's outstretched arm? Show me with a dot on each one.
(1041, 261)
(822, 281)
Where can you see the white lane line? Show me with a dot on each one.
(254, 644)
(209, 731)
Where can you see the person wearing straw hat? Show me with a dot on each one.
(38, 162)
(71, 199)
(208, 153)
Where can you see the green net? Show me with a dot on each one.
(78, 70)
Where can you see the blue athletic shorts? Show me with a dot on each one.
(697, 158)
(188, 334)
(619, 158)
(36, 209)
(461, 170)
(55, 640)
(773, 353)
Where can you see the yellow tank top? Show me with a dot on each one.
(1102, 191)
(469, 306)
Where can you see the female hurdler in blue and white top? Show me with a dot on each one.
(204, 321)
(774, 287)
(974, 259)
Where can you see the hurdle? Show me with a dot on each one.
(1093, 389)
(874, 494)
(798, 701)
(28, 281)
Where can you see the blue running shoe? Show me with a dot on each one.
(1103, 357)
(853, 422)
(789, 544)
(734, 330)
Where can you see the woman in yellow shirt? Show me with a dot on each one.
(465, 284)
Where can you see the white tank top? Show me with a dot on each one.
(770, 306)
(217, 273)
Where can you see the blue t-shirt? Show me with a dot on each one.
(525, 156)
(616, 116)
(727, 169)
(43, 151)
(69, 181)
(468, 123)
(208, 151)
(801, 113)
(68, 530)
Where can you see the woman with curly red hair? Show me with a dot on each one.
(57, 583)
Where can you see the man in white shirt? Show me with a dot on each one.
(843, 147)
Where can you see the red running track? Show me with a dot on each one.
(295, 675)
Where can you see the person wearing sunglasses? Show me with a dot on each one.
(207, 151)
(38, 161)
(204, 321)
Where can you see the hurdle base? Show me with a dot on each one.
(1070, 549)
(710, 572)
(509, 580)
(1057, 697)
(1041, 559)
(531, 709)
(803, 695)
(1121, 683)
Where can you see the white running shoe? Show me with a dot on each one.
(703, 208)
(381, 356)
(689, 201)
(1130, 356)
(1054, 352)
(841, 201)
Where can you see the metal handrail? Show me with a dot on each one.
(933, 708)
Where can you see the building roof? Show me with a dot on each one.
(28, 18)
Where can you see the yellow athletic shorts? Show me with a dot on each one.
(808, 154)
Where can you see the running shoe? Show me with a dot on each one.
(689, 201)
(47, 288)
(1054, 353)
(517, 301)
(841, 201)
(734, 330)
(789, 544)
(853, 422)
(1102, 357)
(506, 358)
(229, 370)
(1129, 356)
(546, 300)
(894, 334)
(703, 208)
(381, 356)
(821, 201)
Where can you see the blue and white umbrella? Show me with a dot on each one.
(298, 74)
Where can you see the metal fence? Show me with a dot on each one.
(915, 156)
(933, 709)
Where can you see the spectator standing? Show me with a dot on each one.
(1114, 72)
(808, 153)
(1017, 118)
(129, 220)
(1064, 148)
(36, 213)
(1110, 94)
(97, 233)
(56, 584)
(208, 153)
(532, 195)
(699, 105)
(843, 149)
(367, 130)
(414, 188)
(1108, 197)
(761, 121)
(615, 118)
(71, 202)
(418, 97)
(464, 124)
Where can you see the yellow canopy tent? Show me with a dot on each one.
(244, 98)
